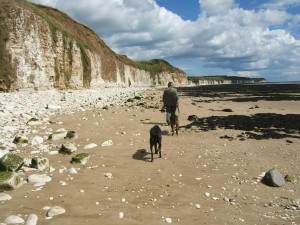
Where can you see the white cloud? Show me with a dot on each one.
(224, 36)
(216, 6)
(280, 4)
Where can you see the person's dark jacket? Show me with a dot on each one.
(170, 97)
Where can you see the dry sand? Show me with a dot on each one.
(200, 179)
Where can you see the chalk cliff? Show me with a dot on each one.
(43, 48)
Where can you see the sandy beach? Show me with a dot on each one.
(209, 174)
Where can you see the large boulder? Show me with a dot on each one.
(9, 181)
(11, 162)
(273, 178)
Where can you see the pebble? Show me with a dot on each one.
(32, 219)
(168, 220)
(13, 219)
(5, 197)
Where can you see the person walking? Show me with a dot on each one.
(170, 101)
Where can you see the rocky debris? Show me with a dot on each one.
(5, 197)
(58, 135)
(67, 148)
(290, 178)
(108, 175)
(89, 146)
(37, 140)
(34, 122)
(81, 158)
(40, 163)
(107, 143)
(55, 210)
(71, 135)
(273, 178)
(32, 219)
(14, 219)
(39, 178)
(11, 162)
(192, 118)
(9, 181)
(20, 140)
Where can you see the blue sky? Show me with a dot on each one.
(253, 38)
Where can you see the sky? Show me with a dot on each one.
(252, 38)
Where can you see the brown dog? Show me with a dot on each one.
(174, 123)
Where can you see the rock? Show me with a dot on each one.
(5, 197)
(20, 140)
(121, 215)
(40, 163)
(71, 135)
(58, 135)
(13, 219)
(32, 219)
(168, 220)
(290, 178)
(37, 140)
(3, 152)
(192, 118)
(53, 106)
(80, 158)
(33, 122)
(9, 181)
(107, 143)
(67, 148)
(273, 178)
(11, 162)
(89, 146)
(72, 170)
(38, 178)
(108, 175)
(55, 210)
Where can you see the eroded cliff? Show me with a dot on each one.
(43, 48)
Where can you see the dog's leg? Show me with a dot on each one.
(151, 149)
(159, 147)
(177, 128)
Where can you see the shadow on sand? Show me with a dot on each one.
(258, 126)
(141, 154)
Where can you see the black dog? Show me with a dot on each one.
(155, 140)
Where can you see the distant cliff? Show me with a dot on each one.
(222, 79)
(43, 48)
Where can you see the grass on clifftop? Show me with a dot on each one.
(221, 78)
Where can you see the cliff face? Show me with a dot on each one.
(43, 48)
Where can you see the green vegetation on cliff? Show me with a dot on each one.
(222, 78)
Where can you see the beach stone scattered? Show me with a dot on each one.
(67, 148)
(168, 220)
(107, 143)
(290, 178)
(5, 197)
(38, 178)
(273, 178)
(10, 180)
(192, 118)
(89, 146)
(71, 135)
(81, 158)
(55, 210)
(40, 163)
(11, 162)
(20, 140)
(108, 175)
(58, 135)
(72, 170)
(14, 219)
(32, 219)
(34, 121)
(37, 140)
(3, 152)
